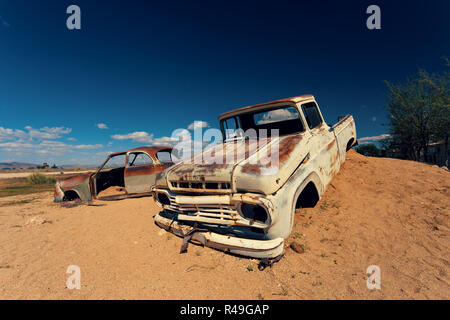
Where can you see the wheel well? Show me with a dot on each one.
(308, 198)
(70, 195)
(350, 144)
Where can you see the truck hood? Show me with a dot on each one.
(247, 166)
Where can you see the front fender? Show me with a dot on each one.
(58, 194)
(78, 184)
(285, 199)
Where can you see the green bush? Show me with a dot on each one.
(371, 150)
(51, 180)
(39, 178)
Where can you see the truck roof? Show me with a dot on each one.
(256, 106)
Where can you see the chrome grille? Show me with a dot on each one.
(187, 185)
(214, 211)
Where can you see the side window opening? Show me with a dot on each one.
(136, 159)
(164, 156)
(312, 115)
(230, 126)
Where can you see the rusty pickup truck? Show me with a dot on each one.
(245, 206)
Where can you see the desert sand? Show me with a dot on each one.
(385, 212)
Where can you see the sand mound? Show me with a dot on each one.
(385, 212)
(112, 191)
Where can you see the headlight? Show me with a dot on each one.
(162, 198)
(254, 212)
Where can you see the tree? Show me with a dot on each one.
(440, 127)
(370, 150)
(418, 114)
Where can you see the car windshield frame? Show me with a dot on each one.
(108, 158)
(248, 118)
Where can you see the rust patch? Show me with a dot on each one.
(251, 169)
(222, 153)
(322, 128)
(331, 144)
(74, 181)
(186, 171)
(335, 156)
(143, 170)
(287, 146)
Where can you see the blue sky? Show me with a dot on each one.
(146, 68)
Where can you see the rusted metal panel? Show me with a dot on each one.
(146, 169)
(69, 183)
(196, 171)
(78, 184)
(58, 193)
(268, 178)
(141, 178)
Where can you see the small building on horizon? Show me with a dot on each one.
(436, 154)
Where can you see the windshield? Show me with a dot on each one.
(284, 118)
(115, 162)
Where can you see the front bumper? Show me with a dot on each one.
(247, 247)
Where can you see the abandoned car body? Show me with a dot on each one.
(133, 172)
(241, 207)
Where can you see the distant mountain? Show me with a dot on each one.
(23, 165)
(16, 165)
(85, 166)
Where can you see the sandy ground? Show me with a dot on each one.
(26, 174)
(385, 212)
(112, 191)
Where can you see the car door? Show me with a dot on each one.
(322, 143)
(139, 173)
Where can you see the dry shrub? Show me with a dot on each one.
(39, 178)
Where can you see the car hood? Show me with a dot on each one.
(253, 166)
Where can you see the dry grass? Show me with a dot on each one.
(18, 186)
(16, 202)
(39, 178)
